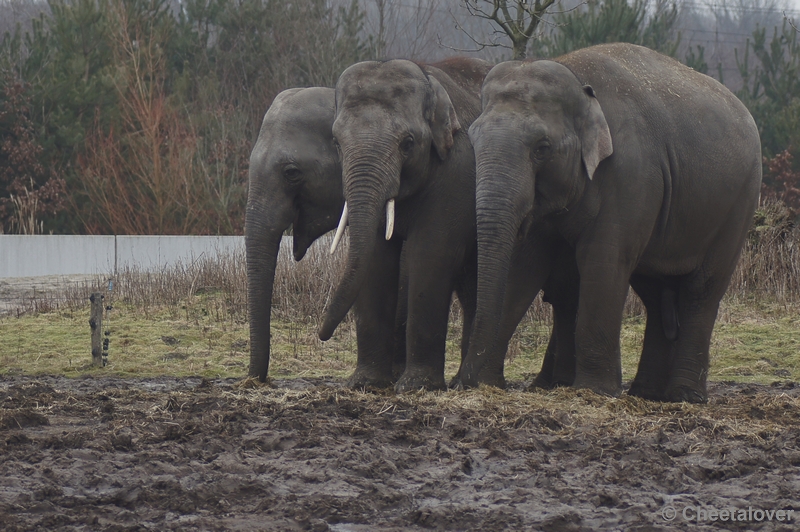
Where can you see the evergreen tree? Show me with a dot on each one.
(28, 191)
(771, 86)
(697, 60)
(771, 90)
(65, 63)
(122, 89)
(604, 21)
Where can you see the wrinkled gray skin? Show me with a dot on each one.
(651, 174)
(401, 128)
(295, 179)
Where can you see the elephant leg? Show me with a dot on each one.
(558, 366)
(697, 311)
(544, 379)
(603, 290)
(652, 375)
(562, 290)
(430, 290)
(564, 314)
(426, 334)
(699, 296)
(468, 302)
(698, 304)
(401, 320)
(467, 293)
(375, 310)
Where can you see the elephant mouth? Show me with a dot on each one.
(300, 245)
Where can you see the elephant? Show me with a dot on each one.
(295, 179)
(650, 172)
(406, 158)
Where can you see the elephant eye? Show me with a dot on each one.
(407, 144)
(292, 173)
(541, 152)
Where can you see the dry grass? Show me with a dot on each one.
(769, 267)
(563, 411)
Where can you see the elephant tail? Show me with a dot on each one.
(669, 313)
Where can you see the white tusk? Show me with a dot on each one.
(339, 230)
(389, 218)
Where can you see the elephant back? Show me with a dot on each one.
(462, 78)
(654, 82)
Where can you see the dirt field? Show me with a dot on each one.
(185, 454)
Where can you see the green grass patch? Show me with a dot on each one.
(753, 342)
(191, 339)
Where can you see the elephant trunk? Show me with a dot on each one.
(504, 196)
(370, 182)
(262, 242)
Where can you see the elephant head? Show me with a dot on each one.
(393, 122)
(538, 142)
(295, 179)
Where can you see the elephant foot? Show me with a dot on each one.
(498, 381)
(680, 394)
(455, 382)
(542, 382)
(647, 391)
(397, 371)
(420, 378)
(369, 378)
(460, 383)
(545, 382)
(602, 388)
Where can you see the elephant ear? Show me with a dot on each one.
(595, 138)
(444, 121)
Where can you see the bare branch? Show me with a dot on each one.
(536, 15)
(480, 45)
(519, 26)
(522, 9)
(791, 22)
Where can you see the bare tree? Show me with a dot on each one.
(403, 28)
(517, 19)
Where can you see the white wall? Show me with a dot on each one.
(36, 255)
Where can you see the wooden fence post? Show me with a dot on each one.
(96, 323)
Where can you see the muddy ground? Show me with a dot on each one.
(189, 454)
